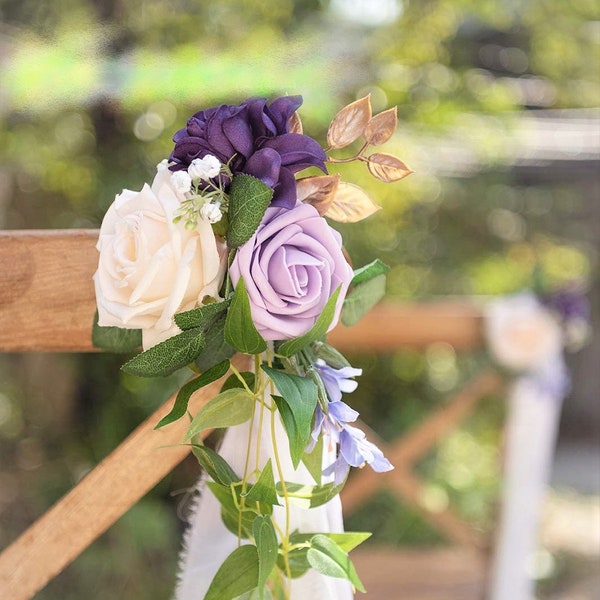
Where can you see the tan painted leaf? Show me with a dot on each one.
(318, 191)
(388, 168)
(349, 124)
(381, 127)
(351, 204)
(295, 124)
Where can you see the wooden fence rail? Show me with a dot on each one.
(47, 304)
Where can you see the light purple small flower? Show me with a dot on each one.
(356, 451)
(337, 381)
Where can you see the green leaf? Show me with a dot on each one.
(249, 198)
(115, 339)
(230, 514)
(180, 407)
(233, 381)
(289, 424)
(316, 332)
(236, 576)
(203, 316)
(168, 356)
(240, 331)
(373, 269)
(300, 394)
(264, 488)
(362, 298)
(347, 541)
(265, 539)
(254, 594)
(216, 349)
(313, 461)
(216, 466)
(326, 557)
(330, 355)
(229, 408)
(309, 496)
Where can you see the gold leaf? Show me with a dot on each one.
(387, 168)
(381, 127)
(318, 191)
(351, 204)
(295, 124)
(349, 124)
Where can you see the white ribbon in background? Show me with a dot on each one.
(208, 542)
(524, 336)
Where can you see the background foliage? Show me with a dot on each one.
(90, 94)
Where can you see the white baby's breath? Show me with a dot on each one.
(204, 168)
(181, 181)
(211, 212)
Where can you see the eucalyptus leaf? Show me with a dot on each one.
(215, 465)
(115, 339)
(300, 394)
(316, 332)
(265, 539)
(236, 576)
(240, 332)
(180, 407)
(229, 408)
(326, 557)
(362, 298)
(249, 198)
(203, 316)
(264, 488)
(168, 356)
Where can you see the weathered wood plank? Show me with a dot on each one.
(103, 496)
(47, 302)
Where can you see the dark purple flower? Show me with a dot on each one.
(255, 139)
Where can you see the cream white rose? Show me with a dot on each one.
(150, 268)
(521, 333)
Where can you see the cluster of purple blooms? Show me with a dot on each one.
(294, 262)
(354, 449)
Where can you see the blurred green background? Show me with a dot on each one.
(498, 108)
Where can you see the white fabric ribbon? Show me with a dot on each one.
(523, 335)
(208, 542)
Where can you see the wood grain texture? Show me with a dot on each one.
(47, 299)
(47, 302)
(103, 496)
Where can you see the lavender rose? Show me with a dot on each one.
(254, 138)
(291, 266)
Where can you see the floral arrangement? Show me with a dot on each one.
(227, 251)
